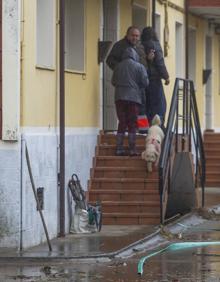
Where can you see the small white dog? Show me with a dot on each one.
(154, 139)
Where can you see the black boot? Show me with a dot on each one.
(119, 145)
(132, 145)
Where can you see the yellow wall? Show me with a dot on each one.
(201, 28)
(125, 16)
(173, 17)
(39, 87)
(126, 13)
(39, 100)
(83, 91)
(38, 93)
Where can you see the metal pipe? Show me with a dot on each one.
(153, 13)
(62, 119)
(36, 198)
(186, 39)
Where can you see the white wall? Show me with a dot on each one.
(9, 195)
(11, 68)
(10, 151)
(43, 150)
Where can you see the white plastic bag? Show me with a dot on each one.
(80, 222)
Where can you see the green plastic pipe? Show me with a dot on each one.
(174, 247)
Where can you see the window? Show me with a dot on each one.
(157, 26)
(139, 16)
(46, 33)
(75, 35)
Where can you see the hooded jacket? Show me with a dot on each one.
(156, 68)
(130, 78)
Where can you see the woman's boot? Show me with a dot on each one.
(119, 145)
(132, 144)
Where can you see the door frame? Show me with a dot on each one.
(102, 65)
(208, 106)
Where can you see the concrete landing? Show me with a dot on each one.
(109, 240)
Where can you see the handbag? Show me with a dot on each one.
(142, 120)
(142, 123)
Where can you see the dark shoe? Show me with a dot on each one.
(133, 153)
(120, 152)
(119, 145)
(132, 145)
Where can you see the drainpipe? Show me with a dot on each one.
(153, 13)
(22, 157)
(186, 39)
(62, 119)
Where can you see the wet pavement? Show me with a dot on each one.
(194, 264)
(110, 239)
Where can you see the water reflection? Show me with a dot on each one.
(194, 264)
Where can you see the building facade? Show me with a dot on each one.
(30, 93)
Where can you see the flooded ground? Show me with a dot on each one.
(194, 264)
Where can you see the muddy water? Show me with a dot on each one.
(195, 264)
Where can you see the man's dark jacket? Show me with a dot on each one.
(115, 55)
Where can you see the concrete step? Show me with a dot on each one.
(109, 150)
(123, 172)
(212, 160)
(131, 218)
(212, 183)
(212, 145)
(123, 195)
(110, 139)
(114, 161)
(123, 184)
(215, 168)
(211, 137)
(213, 175)
(130, 207)
(209, 152)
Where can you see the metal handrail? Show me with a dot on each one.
(183, 120)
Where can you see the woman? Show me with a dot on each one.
(129, 78)
(155, 98)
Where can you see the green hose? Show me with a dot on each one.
(174, 247)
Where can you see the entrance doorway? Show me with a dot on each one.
(110, 33)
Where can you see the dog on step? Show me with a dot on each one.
(154, 140)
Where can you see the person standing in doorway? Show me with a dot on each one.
(131, 39)
(155, 97)
(129, 78)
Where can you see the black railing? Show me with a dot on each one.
(183, 133)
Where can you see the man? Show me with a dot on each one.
(132, 39)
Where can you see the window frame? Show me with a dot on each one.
(45, 66)
(74, 70)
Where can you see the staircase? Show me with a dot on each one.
(212, 153)
(128, 193)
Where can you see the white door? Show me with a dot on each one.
(110, 32)
(208, 87)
